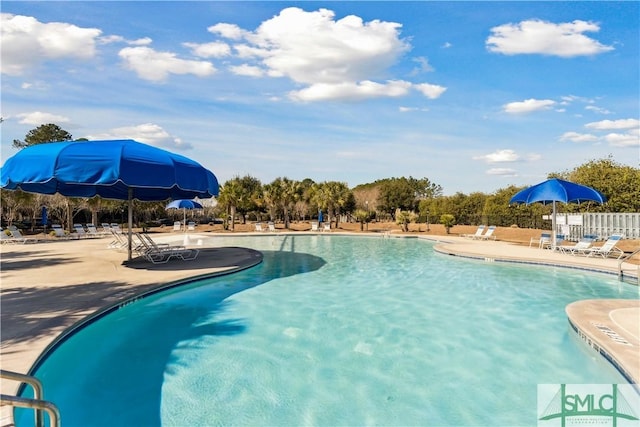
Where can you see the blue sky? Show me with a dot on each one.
(475, 96)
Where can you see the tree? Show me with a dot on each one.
(448, 221)
(43, 134)
(620, 184)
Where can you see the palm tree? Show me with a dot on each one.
(229, 197)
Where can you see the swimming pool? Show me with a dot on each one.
(333, 330)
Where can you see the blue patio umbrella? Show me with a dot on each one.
(557, 190)
(45, 218)
(320, 217)
(112, 169)
(184, 205)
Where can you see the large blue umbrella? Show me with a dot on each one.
(114, 169)
(557, 190)
(184, 205)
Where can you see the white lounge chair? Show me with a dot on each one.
(259, 227)
(17, 236)
(326, 226)
(59, 233)
(191, 225)
(272, 227)
(488, 235)
(314, 226)
(80, 231)
(583, 245)
(93, 231)
(159, 253)
(5, 236)
(544, 239)
(477, 234)
(177, 226)
(607, 249)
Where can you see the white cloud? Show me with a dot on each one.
(528, 106)
(423, 65)
(614, 124)
(332, 58)
(247, 70)
(228, 31)
(150, 64)
(630, 139)
(499, 156)
(546, 38)
(25, 42)
(149, 133)
(599, 110)
(37, 118)
(502, 172)
(429, 90)
(578, 137)
(209, 50)
(351, 91)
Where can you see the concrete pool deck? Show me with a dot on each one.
(47, 287)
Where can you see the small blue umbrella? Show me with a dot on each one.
(184, 205)
(113, 169)
(557, 190)
(320, 217)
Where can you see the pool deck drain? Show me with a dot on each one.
(47, 287)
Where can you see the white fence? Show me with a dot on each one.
(575, 226)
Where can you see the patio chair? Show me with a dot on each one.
(544, 239)
(272, 227)
(93, 231)
(119, 239)
(5, 236)
(59, 233)
(259, 227)
(326, 227)
(191, 225)
(177, 226)
(608, 248)
(17, 236)
(158, 253)
(549, 244)
(477, 234)
(488, 235)
(314, 226)
(582, 245)
(80, 231)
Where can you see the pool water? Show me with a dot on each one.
(334, 331)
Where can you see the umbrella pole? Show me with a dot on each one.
(184, 219)
(130, 222)
(553, 227)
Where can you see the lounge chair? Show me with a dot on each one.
(93, 231)
(488, 235)
(177, 226)
(549, 244)
(314, 226)
(191, 225)
(583, 245)
(17, 236)
(119, 239)
(259, 227)
(477, 234)
(326, 227)
(5, 236)
(544, 239)
(157, 253)
(272, 227)
(58, 231)
(80, 231)
(607, 249)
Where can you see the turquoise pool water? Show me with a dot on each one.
(333, 331)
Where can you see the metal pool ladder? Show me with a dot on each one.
(626, 259)
(38, 403)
